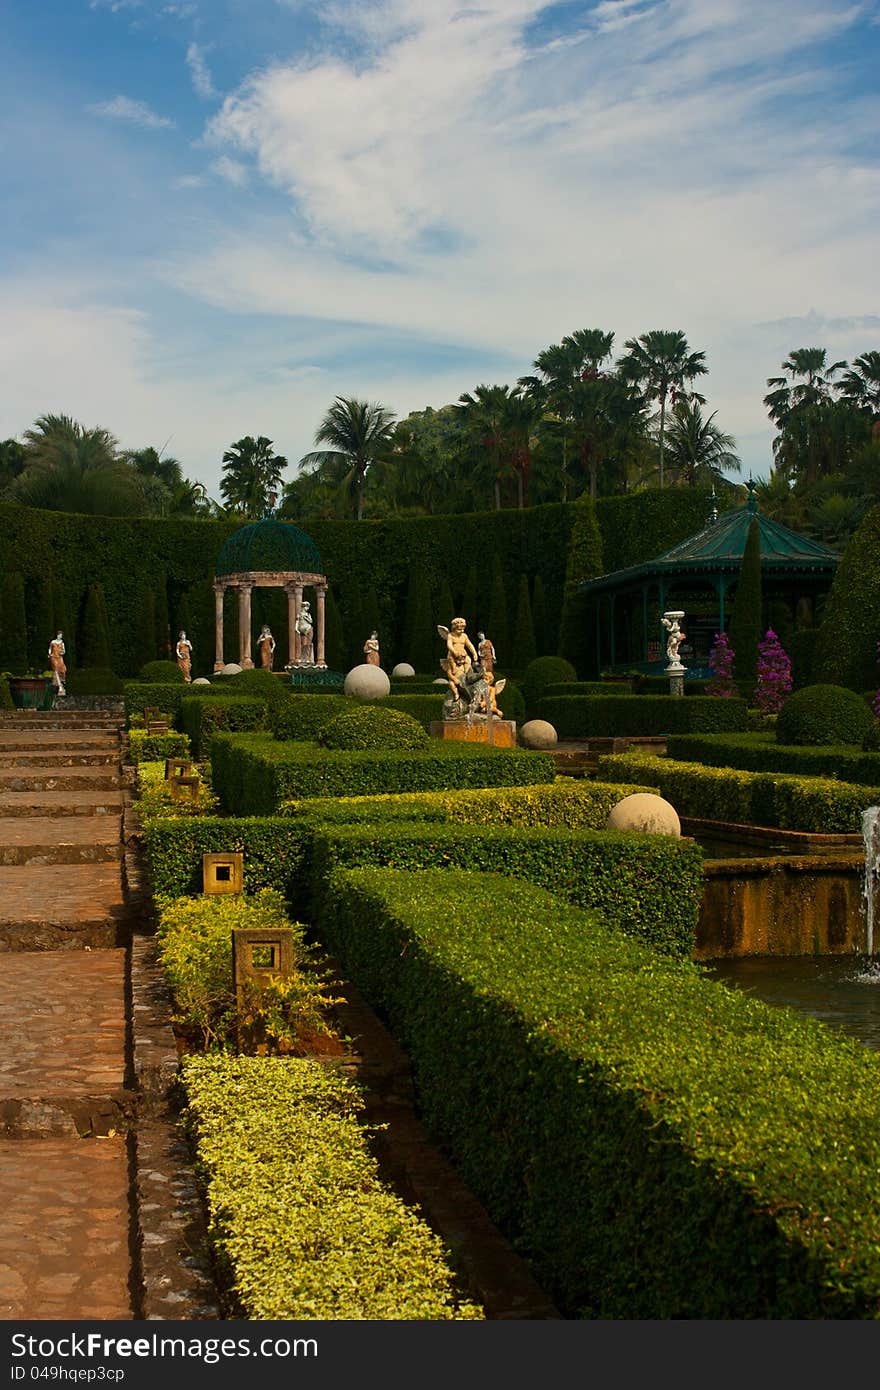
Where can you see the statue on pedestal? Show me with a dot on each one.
(183, 652)
(56, 661)
(471, 675)
(670, 621)
(266, 648)
(306, 634)
(371, 648)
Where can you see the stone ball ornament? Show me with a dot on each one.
(646, 812)
(201, 680)
(367, 682)
(232, 668)
(403, 668)
(538, 733)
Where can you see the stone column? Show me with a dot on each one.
(320, 594)
(244, 627)
(292, 637)
(219, 591)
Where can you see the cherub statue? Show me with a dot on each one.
(675, 638)
(460, 656)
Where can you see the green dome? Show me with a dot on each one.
(269, 545)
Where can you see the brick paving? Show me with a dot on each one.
(65, 1200)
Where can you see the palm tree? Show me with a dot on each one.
(562, 368)
(698, 451)
(359, 433)
(500, 422)
(661, 363)
(861, 383)
(800, 404)
(252, 476)
(72, 469)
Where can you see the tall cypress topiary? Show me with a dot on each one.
(421, 640)
(13, 626)
(64, 622)
(523, 645)
(473, 605)
(443, 603)
(144, 644)
(371, 621)
(745, 617)
(41, 628)
(94, 631)
(584, 562)
(496, 627)
(334, 636)
(164, 646)
(539, 617)
(846, 643)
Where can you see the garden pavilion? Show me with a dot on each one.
(697, 575)
(269, 554)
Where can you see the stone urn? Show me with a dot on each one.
(31, 692)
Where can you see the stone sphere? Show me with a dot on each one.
(231, 668)
(647, 812)
(201, 680)
(367, 682)
(441, 680)
(537, 733)
(403, 668)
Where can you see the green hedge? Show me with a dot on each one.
(253, 774)
(425, 708)
(93, 680)
(659, 685)
(647, 886)
(274, 852)
(300, 1223)
(6, 700)
(604, 688)
(201, 718)
(610, 716)
(576, 805)
(374, 727)
(149, 748)
(813, 804)
(302, 716)
(140, 695)
(658, 1146)
(759, 752)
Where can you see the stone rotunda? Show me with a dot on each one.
(269, 554)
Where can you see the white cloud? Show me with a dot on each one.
(190, 181)
(199, 71)
(232, 170)
(134, 112)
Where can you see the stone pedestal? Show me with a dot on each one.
(500, 733)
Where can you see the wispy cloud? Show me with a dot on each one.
(134, 112)
(199, 71)
(232, 170)
(190, 181)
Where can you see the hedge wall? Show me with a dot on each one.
(299, 1221)
(252, 773)
(759, 752)
(201, 718)
(658, 1146)
(610, 716)
(647, 886)
(274, 852)
(777, 799)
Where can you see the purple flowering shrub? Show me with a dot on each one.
(721, 659)
(774, 674)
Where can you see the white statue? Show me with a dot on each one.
(670, 621)
(266, 648)
(304, 628)
(183, 652)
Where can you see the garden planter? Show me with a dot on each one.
(31, 692)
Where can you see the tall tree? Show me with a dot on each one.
(42, 627)
(663, 365)
(745, 617)
(860, 384)
(697, 449)
(523, 649)
(13, 626)
(94, 638)
(491, 419)
(72, 469)
(251, 478)
(359, 435)
(12, 461)
(811, 427)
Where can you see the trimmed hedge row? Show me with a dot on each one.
(425, 708)
(649, 886)
(577, 805)
(303, 716)
(149, 748)
(610, 716)
(776, 799)
(253, 773)
(166, 697)
(274, 852)
(761, 753)
(609, 688)
(301, 1224)
(202, 718)
(657, 1145)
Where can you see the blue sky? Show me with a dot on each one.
(220, 214)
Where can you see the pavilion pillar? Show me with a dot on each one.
(320, 593)
(244, 627)
(219, 591)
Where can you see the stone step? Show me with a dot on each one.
(57, 757)
(60, 780)
(57, 840)
(106, 802)
(39, 721)
(48, 740)
(66, 1228)
(62, 907)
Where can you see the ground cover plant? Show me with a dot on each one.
(299, 1220)
(656, 1145)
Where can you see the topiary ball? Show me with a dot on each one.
(544, 671)
(367, 682)
(372, 726)
(93, 680)
(262, 684)
(823, 714)
(161, 673)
